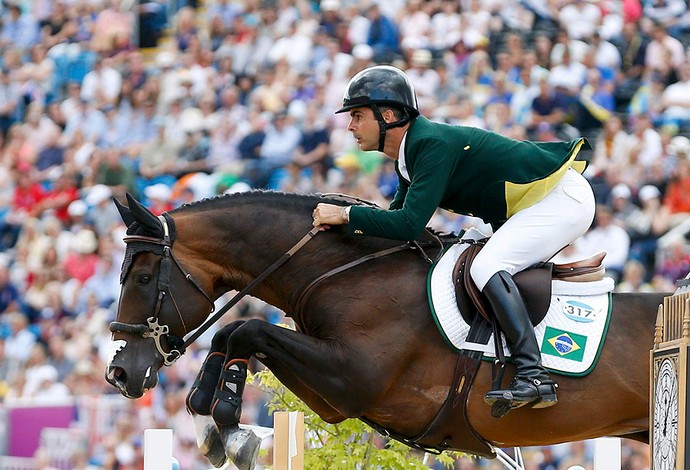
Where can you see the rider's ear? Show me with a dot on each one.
(145, 217)
(124, 211)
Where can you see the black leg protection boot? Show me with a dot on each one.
(532, 384)
(227, 401)
(201, 394)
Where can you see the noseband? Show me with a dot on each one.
(153, 329)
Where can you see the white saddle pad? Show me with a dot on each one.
(570, 336)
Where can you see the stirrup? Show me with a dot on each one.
(539, 394)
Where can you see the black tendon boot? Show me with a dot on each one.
(227, 401)
(531, 384)
(201, 394)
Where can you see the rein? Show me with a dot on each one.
(155, 330)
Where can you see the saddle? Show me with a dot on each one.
(534, 283)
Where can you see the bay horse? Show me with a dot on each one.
(365, 346)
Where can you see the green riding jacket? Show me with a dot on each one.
(468, 171)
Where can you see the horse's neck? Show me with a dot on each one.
(242, 243)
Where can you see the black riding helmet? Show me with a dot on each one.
(382, 85)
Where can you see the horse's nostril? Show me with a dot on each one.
(117, 374)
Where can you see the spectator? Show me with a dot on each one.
(665, 54)
(80, 263)
(549, 107)
(634, 278)
(102, 85)
(675, 100)
(581, 18)
(159, 198)
(632, 45)
(58, 198)
(10, 297)
(595, 103)
(646, 226)
(607, 236)
(674, 263)
(87, 121)
(277, 149)
(114, 171)
(50, 159)
(113, 29)
(313, 150)
(26, 199)
(669, 13)
(677, 196)
(383, 35)
(20, 340)
(192, 156)
(19, 29)
(102, 214)
(424, 78)
(9, 100)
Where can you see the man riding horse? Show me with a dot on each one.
(532, 193)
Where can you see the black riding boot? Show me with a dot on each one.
(532, 384)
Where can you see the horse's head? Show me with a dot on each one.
(160, 302)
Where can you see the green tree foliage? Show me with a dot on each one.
(348, 445)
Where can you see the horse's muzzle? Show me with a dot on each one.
(130, 372)
(130, 387)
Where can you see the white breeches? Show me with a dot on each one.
(538, 232)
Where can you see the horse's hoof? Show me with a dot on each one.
(208, 440)
(241, 446)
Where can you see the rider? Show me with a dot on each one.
(532, 193)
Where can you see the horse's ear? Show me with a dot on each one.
(151, 224)
(124, 211)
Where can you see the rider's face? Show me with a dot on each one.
(364, 128)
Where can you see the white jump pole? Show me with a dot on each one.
(158, 447)
(607, 453)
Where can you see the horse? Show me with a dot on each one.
(365, 344)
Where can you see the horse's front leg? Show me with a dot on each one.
(323, 372)
(200, 397)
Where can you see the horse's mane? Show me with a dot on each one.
(291, 201)
(256, 197)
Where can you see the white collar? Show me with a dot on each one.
(402, 166)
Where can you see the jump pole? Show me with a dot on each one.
(158, 445)
(288, 440)
(607, 453)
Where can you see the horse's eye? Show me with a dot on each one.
(144, 279)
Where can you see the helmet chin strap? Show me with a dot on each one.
(384, 126)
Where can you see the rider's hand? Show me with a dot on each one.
(326, 215)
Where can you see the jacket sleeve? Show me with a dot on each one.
(412, 209)
(399, 196)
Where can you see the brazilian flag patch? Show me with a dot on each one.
(564, 344)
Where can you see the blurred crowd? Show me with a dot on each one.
(175, 101)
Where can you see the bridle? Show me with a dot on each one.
(153, 329)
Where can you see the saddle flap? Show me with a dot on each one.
(533, 283)
(469, 297)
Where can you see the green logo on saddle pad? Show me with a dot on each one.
(564, 344)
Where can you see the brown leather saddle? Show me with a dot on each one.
(534, 283)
